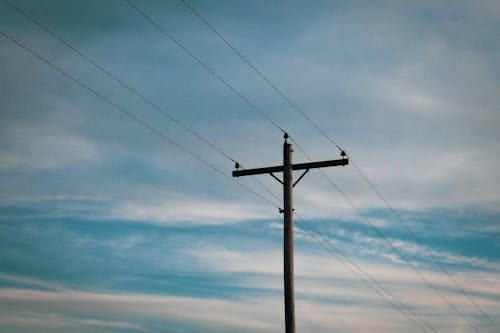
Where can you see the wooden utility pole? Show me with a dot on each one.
(288, 238)
(287, 168)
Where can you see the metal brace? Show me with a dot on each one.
(307, 170)
(272, 175)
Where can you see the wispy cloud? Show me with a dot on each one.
(190, 209)
(58, 322)
(27, 281)
(210, 312)
(321, 266)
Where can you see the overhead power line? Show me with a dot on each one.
(262, 76)
(427, 250)
(133, 117)
(358, 169)
(133, 91)
(367, 279)
(393, 247)
(204, 65)
(189, 152)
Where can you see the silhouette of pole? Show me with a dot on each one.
(287, 168)
(288, 238)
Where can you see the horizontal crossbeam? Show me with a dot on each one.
(259, 171)
(300, 166)
(322, 164)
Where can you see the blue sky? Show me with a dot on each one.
(105, 227)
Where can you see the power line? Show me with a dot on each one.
(329, 138)
(144, 124)
(392, 246)
(117, 79)
(318, 241)
(269, 82)
(370, 281)
(133, 117)
(133, 91)
(204, 65)
(427, 250)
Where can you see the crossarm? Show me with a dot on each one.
(322, 164)
(300, 166)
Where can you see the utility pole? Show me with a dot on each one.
(287, 168)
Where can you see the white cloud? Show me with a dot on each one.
(252, 314)
(317, 271)
(49, 140)
(191, 210)
(32, 282)
(48, 153)
(59, 322)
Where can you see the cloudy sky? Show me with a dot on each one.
(107, 226)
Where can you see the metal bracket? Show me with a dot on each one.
(301, 176)
(272, 175)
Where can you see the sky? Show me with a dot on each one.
(106, 226)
